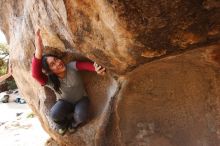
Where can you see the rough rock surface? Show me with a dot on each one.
(162, 58)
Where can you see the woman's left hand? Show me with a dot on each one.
(99, 69)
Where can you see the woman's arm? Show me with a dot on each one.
(36, 70)
(39, 45)
(36, 66)
(90, 67)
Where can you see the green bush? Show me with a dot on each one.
(11, 84)
(3, 69)
(4, 55)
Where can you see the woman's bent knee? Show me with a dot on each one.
(81, 116)
(60, 110)
(81, 111)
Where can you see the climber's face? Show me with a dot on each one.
(56, 65)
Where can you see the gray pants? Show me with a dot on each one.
(64, 113)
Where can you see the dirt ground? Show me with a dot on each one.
(18, 125)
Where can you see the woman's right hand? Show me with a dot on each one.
(99, 69)
(38, 44)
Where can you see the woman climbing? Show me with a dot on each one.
(71, 107)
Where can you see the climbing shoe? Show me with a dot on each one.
(71, 129)
(61, 131)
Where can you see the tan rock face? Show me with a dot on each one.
(162, 58)
(172, 102)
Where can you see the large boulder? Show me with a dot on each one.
(162, 57)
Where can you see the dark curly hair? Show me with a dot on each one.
(52, 76)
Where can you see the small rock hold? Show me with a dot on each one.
(153, 53)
